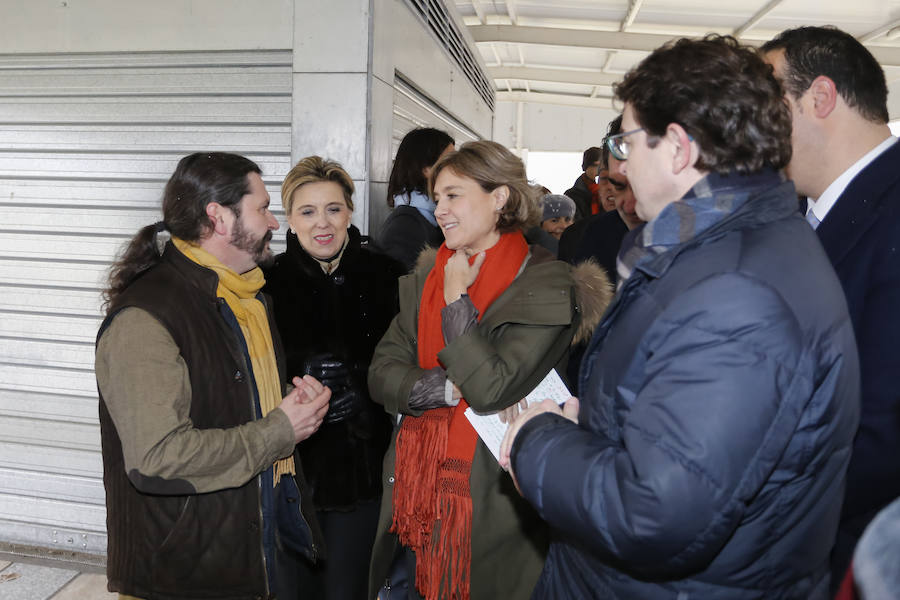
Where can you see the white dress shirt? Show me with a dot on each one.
(823, 203)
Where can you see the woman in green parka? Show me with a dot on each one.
(481, 323)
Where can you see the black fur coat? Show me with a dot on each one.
(344, 314)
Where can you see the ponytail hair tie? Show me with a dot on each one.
(161, 226)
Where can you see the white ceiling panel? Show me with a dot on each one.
(578, 48)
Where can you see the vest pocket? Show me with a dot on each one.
(169, 540)
(172, 562)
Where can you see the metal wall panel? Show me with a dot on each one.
(87, 142)
(414, 109)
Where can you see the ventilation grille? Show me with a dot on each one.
(435, 16)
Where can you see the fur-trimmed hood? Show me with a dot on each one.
(593, 289)
(593, 293)
(426, 259)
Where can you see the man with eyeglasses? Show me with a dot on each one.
(600, 236)
(719, 394)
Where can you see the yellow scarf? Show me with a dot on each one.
(239, 292)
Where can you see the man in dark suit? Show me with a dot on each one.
(600, 236)
(848, 165)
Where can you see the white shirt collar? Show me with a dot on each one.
(823, 204)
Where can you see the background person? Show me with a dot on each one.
(600, 236)
(333, 301)
(876, 559)
(719, 396)
(558, 213)
(607, 190)
(480, 324)
(411, 226)
(585, 190)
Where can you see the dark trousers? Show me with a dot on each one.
(344, 573)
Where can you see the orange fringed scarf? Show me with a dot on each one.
(432, 502)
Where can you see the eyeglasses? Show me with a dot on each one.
(619, 146)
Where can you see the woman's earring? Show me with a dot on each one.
(291, 229)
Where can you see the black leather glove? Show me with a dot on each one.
(347, 398)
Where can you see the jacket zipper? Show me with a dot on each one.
(312, 542)
(259, 482)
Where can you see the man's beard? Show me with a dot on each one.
(257, 247)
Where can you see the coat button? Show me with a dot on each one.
(339, 279)
(391, 479)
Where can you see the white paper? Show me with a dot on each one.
(491, 429)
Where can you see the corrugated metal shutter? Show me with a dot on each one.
(87, 142)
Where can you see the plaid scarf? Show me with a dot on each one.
(713, 201)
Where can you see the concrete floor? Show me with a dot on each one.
(23, 578)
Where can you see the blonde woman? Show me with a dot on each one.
(333, 300)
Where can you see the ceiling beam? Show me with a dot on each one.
(759, 16)
(496, 54)
(634, 6)
(563, 99)
(876, 33)
(511, 11)
(555, 75)
(614, 40)
(479, 10)
(577, 38)
(888, 57)
(607, 66)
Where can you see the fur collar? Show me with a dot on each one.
(593, 291)
(426, 259)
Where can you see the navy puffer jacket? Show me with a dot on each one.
(719, 399)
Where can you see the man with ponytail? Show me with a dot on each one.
(204, 496)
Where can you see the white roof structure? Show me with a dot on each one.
(570, 52)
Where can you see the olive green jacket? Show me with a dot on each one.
(522, 335)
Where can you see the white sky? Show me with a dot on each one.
(554, 170)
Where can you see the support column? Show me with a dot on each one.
(332, 82)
